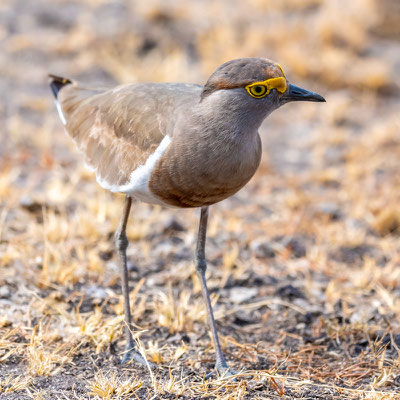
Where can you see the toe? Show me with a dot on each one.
(226, 372)
(137, 358)
(221, 372)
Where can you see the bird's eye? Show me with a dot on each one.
(258, 91)
(262, 88)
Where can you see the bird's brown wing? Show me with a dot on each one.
(117, 129)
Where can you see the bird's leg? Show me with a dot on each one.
(121, 243)
(201, 266)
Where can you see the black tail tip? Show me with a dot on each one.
(57, 83)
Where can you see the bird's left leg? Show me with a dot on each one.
(121, 243)
(201, 266)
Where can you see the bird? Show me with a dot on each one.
(177, 145)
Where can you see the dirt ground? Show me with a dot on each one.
(304, 263)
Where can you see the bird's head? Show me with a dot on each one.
(255, 83)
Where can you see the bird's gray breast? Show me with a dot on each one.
(201, 169)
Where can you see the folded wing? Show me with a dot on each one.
(118, 129)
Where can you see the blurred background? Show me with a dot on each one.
(349, 51)
(317, 226)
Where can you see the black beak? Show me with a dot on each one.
(295, 93)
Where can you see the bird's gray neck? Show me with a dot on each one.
(218, 143)
(225, 115)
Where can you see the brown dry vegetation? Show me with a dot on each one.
(304, 263)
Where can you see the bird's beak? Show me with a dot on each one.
(295, 93)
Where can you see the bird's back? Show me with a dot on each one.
(119, 129)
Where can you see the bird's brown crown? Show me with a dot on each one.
(244, 72)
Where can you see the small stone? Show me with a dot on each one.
(300, 326)
(331, 210)
(132, 267)
(96, 292)
(172, 226)
(30, 205)
(296, 245)
(302, 303)
(106, 255)
(353, 254)
(239, 295)
(243, 319)
(289, 292)
(262, 249)
(164, 249)
(5, 292)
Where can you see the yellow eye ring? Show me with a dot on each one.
(262, 89)
(258, 91)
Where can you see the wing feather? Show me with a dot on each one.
(118, 129)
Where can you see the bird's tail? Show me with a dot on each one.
(57, 83)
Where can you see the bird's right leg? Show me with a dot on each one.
(221, 366)
(121, 243)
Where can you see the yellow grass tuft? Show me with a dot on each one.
(43, 357)
(111, 386)
(172, 385)
(12, 384)
(179, 314)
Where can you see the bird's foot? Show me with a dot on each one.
(222, 371)
(131, 354)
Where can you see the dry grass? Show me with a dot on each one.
(304, 263)
(112, 387)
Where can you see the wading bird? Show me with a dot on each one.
(177, 145)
